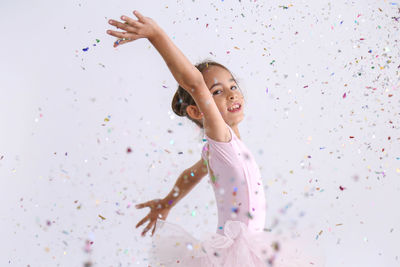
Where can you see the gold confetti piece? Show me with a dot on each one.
(102, 217)
(339, 224)
(320, 232)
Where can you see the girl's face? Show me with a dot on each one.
(226, 93)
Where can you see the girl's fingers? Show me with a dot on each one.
(121, 42)
(118, 34)
(124, 26)
(123, 37)
(148, 227)
(142, 205)
(145, 231)
(154, 229)
(142, 221)
(132, 22)
(139, 206)
(138, 15)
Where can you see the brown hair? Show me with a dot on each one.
(182, 98)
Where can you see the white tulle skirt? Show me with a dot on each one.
(172, 246)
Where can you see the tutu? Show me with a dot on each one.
(172, 246)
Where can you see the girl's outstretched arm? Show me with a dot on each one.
(160, 208)
(183, 71)
(188, 179)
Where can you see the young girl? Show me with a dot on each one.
(209, 95)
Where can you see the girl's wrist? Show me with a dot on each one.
(157, 33)
(166, 203)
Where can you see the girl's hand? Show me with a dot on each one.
(144, 27)
(158, 210)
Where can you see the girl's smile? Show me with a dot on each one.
(235, 107)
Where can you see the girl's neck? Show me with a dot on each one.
(236, 130)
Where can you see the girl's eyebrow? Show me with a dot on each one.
(215, 84)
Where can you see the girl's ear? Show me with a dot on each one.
(194, 112)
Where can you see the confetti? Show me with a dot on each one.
(320, 233)
(350, 56)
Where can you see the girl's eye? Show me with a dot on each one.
(220, 90)
(216, 91)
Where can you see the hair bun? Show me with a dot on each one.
(177, 105)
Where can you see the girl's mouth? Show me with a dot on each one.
(235, 108)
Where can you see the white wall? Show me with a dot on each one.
(62, 165)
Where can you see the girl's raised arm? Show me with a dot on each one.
(183, 71)
(187, 75)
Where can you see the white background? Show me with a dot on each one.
(68, 117)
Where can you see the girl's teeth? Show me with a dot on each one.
(234, 107)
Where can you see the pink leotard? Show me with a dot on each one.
(237, 183)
